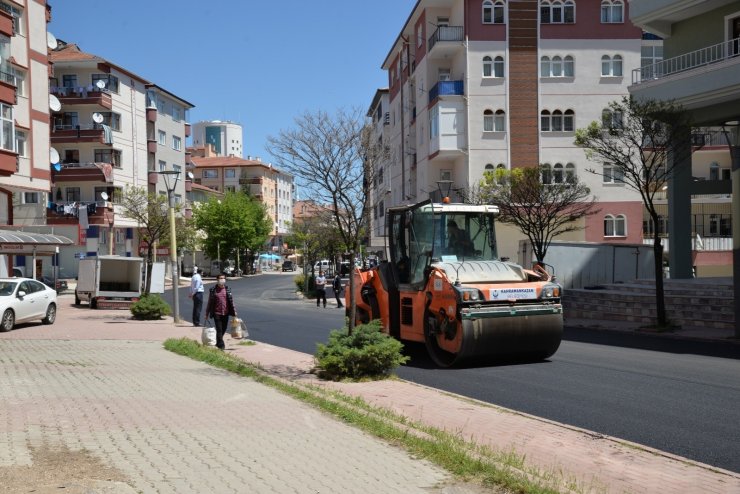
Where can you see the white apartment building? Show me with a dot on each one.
(480, 84)
(111, 129)
(24, 111)
(225, 137)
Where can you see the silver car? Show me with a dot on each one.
(23, 300)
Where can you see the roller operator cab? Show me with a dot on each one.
(444, 285)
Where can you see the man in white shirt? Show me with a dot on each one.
(196, 293)
(320, 289)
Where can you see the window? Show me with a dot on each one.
(612, 174)
(176, 112)
(489, 167)
(714, 171)
(7, 129)
(614, 226)
(30, 198)
(66, 121)
(230, 173)
(557, 121)
(557, 66)
(557, 12)
(112, 156)
(570, 173)
(20, 142)
(72, 194)
(493, 67)
(611, 119)
(110, 81)
(17, 77)
(163, 137)
(612, 11)
(15, 13)
(112, 120)
(434, 122)
(494, 122)
(69, 80)
(381, 209)
(162, 166)
(557, 173)
(493, 12)
(177, 168)
(650, 55)
(210, 173)
(611, 66)
(176, 143)
(546, 174)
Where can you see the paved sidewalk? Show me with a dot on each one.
(165, 414)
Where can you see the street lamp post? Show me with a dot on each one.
(170, 184)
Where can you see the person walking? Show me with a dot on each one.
(337, 286)
(196, 293)
(220, 307)
(320, 289)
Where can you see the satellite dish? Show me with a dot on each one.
(100, 84)
(53, 156)
(190, 175)
(57, 167)
(54, 103)
(51, 41)
(97, 117)
(104, 196)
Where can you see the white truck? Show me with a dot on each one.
(109, 282)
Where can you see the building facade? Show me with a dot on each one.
(476, 85)
(111, 129)
(269, 185)
(224, 136)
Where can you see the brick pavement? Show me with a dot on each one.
(592, 462)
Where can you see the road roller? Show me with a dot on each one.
(443, 284)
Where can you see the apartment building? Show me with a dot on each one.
(701, 71)
(24, 111)
(266, 183)
(110, 129)
(475, 85)
(378, 116)
(225, 137)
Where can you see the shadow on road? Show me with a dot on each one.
(653, 342)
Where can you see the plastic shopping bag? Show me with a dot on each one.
(208, 336)
(236, 328)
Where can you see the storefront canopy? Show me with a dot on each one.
(27, 243)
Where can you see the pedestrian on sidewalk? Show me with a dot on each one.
(320, 286)
(337, 286)
(196, 293)
(220, 307)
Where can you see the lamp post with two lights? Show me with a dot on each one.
(170, 182)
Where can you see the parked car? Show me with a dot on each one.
(23, 299)
(61, 285)
(288, 266)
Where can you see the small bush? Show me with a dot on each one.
(300, 282)
(366, 353)
(150, 307)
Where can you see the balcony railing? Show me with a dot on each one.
(687, 61)
(445, 33)
(446, 88)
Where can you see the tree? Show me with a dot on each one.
(333, 157)
(542, 211)
(235, 222)
(642, 143)
(150, 212)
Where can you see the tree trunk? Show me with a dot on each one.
(148, 285)
(352, 305)
(659, 293)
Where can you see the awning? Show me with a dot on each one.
(19, 242)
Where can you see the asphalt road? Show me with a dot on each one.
(681, 397)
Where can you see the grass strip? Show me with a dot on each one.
(464, 459)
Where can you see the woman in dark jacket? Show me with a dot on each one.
(220, 307)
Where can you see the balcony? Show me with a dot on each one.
(83, 172)
(445, 40)
(8, 91)
(187, 130)
(73, 134)
(151, 145)
(68, 213)
(151, 115)
(90, 95)
(8, 163)
(707, 78)
(250, 180)
(446, 88)
(153, 178)
(188, 185)
(6, 24)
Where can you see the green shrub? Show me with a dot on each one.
(300, 282)
(150, 307)
(366, 353)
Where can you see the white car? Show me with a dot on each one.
(23, 299)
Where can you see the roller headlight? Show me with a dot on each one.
(551, 290)
(469, 294)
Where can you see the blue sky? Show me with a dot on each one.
(258, 63)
